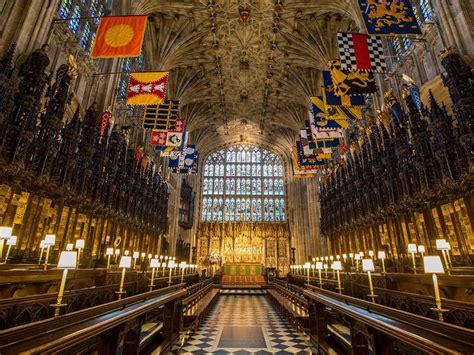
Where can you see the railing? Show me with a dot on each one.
(381, 328)
(458, 312)
(101, 328)
(24, 310)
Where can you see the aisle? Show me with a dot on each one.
(245, 325)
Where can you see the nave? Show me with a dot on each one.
(245, 324)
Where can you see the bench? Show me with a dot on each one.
(197, 306)
(290, 303)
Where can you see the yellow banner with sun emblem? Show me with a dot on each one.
(119, 36)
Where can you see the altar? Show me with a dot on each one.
(243, 248)
(246, 269)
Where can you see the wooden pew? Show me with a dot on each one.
(196, 306)
(289, 300)
(99, 328)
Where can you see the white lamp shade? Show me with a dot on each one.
(42, 244)
(325, 266)
(337, 265)
(351, 255)
(80, 243)
(306, 266)
(441, 244)
(412, 248)
(125, 262)
(433, 265)
(314, 259)
(331, 258)
(156, 256)
(117, 251)
(421, 248)
(326, 258)
(67, 260)
(344, 256)
(357, 257)
(163, 264)
(5, 232)
(182, 265)
(312, 266)
(368, 265)
(143, 255)
(361, 253)
(150, 256)
(49, 239)
(126, 253)
(319, 265)
(69, 247)
(136, 254)
(109, 251)
(12, 240)
(371, 253)
(154, 263)
(381, 254)
(171, 264)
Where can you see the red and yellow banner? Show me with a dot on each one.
(119, 36)
(147, 88)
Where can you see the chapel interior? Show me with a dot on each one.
(236, 177)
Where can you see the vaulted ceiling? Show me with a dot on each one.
(243, 70)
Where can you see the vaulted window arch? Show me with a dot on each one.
(243, 183)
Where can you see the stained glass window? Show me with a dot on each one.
(243, 183)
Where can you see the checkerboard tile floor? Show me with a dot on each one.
(234, 310)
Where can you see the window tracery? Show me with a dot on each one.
(243, 183)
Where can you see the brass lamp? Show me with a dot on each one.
(116, 253)
(421, 250)
(412, 249)
(125, 263)
(306, 267)
(42, 246)
(325, 267)
(433, 265)
(182, 266)
(171, 266)
(11, 243)
(109, 252)
(69, 247)
(351, 256)
(381, 256)
(357, 258)
(441, 245)
(368, 266)
(319, 267)
(136, 255)
(337, 266)
(80, 243)
(49, 240)
(126, 253)
(5, 234)
(163, 265)
(312, 269)
(67, 260)
(154, 264)
(371, 254)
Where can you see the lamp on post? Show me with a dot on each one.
(319, 267)
(325, 267)
(357, 258)
(337, 266)
(116, 253)
(49, 240)
(351, 256)
(182, 266)
(69, 247)
(421, 250)
(381, 256)
(125, 263)
(368, 266)
(80, 243)
(371, 254)
(306, 267)
(171, 266)
(109, 252)
(5, 234)
(136, 255)
(11, 243)
(42, 246)
(67, 260)
(433, 265)
(312, 268)
(442, 245)
(412, 249)
(154, 263)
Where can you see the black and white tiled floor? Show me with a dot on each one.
(240, 312)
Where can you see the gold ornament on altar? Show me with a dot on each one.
(73, 71)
